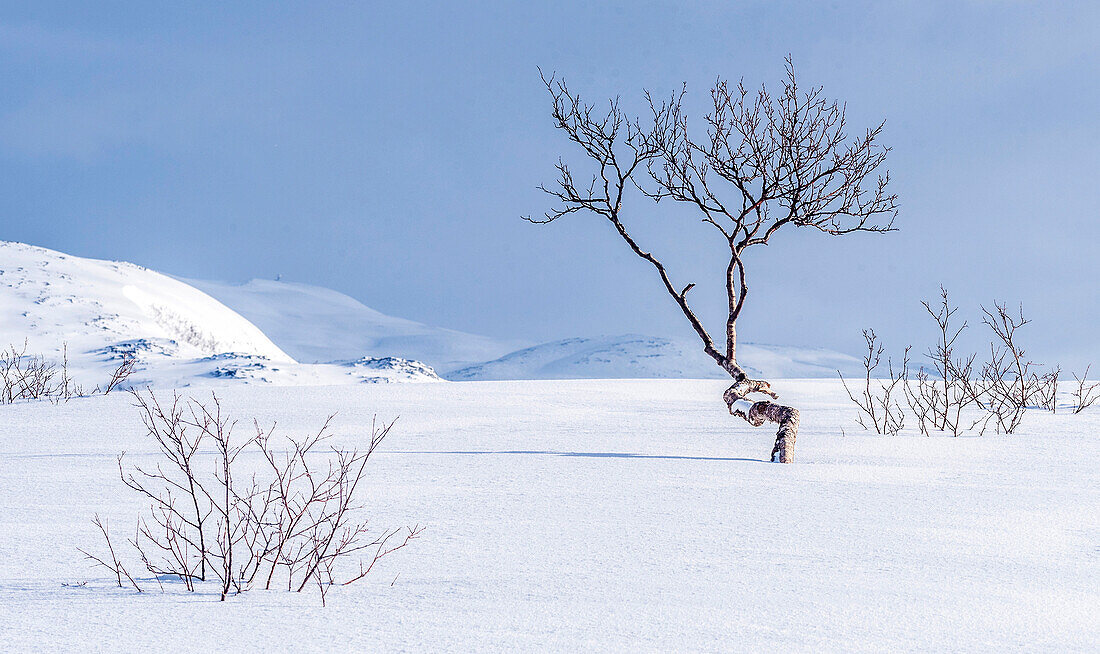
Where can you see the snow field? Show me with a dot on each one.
(599, 516)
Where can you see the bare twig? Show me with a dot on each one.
(112, 563)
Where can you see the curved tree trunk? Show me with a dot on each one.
(760, 412)
(784, 416)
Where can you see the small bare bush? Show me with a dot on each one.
(120, 374)
(1084, 394)
(939, 397)
(1044, 390)
(27, 377)
(879, 408)
(293, 517)
(32, 377)
(957, 393)
(112, 561)
(1006, 383)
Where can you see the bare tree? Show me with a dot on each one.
(767, 162)
(1085, 393)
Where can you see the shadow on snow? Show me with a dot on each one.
(595, 455)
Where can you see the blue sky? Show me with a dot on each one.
(388, 151)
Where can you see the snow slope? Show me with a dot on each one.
(595, 516)
(103, 311)
(638, 357)
(317, 324)
(51, 299)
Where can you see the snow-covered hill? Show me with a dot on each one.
(49, 298)
(184, 332)
(316, 324)
(632, 356)
(99, 312)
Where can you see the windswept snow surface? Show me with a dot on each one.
(104, 311)
(647, 357)
(594, 516)
(317, 324)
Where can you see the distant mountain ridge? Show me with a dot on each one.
(634, 356)
(316, 324)
(319, 324)
(183, 332)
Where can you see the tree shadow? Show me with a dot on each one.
(594, 455)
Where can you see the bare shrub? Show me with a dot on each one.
(879, 409)
(180, 505)
(957, 393)
(296, 520)
(112, 562)
(1085, 393)
(32, 377)
(120, 374)
(1044, 390)
(1005, 384)
(26, 377)
(938, 397)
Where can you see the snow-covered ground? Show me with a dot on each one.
(596, 516)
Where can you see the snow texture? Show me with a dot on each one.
(50, 298)
(595, 516)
